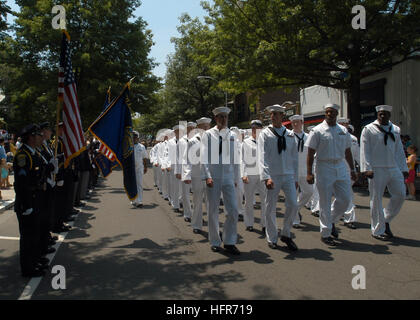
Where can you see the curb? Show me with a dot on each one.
(6, 205)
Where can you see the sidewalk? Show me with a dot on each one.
(8, 196)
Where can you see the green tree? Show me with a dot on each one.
(109, 47)
(185, 97)
(276, 43)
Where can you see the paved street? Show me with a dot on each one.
(118, 252)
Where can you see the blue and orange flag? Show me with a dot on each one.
(114, 129)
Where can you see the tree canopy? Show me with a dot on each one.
(109, 46)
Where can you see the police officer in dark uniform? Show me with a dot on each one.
(29, 185)
(50, 168)
(60, 197)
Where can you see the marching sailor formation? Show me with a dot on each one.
(316, 170)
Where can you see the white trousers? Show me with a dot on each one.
(199, 187)
(175, 190)
(394, 180)
(231, 206)
(315, 199)
(139, 182)
(156, 176)
(350, 214)
(332, 179)
(185, 198)
(305, 194)
(165, 184)
(240, 196)
(287, 184)
(254, 184)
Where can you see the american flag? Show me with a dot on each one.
(106, 152)
(73, 138)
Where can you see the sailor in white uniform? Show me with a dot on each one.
(140, 157)
(278, 165)
(383, 162)
(251, 177)
(220, 161)
(332, 144)
(350, 214)
(185, 188)
(240, 186)
(163, 155)
(305, 189)
(192, 173)
(174, 183)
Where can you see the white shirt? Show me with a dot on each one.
(302, 155)
(192, 167)
(375, 154)
(330, 143)
(182, 149)
(140, 153)
(224, 166)
(249, 165)
(271, 162)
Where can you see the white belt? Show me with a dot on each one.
(330, 161)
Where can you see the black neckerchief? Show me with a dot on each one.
(301, 143)
(281, 140)
(387, 133)
(220, 145)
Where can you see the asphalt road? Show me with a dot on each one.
(118, 252)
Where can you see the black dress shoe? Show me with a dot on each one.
(215, 248)
(232, 249)
(197, 231)
(80, 204)
(33, 273)
(388, 230)
(297, 226)
(250, 229)
(44, 260)
(329, 241)
(240, 217)
(49, 250)
(334, 231)
(315, 214)
(382, 237)
(42, 266)
(290, 243)
(350, 225)
(272, 245)
(140, 205)
(187, 219)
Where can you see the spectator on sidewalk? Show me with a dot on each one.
(411, 163)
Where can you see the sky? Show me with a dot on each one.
(162, 18)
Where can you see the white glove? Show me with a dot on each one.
(28, 212)
(60, 183)
(55, 164)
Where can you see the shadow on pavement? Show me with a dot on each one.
(140, 270)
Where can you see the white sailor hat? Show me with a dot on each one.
(296, 117)
(191, 124)
(178, 127)
(136, 133)
(333, 106)
(203, 120)
(276, 108)
(220, 110)
(343, 120)
(384, 107)
(257, 123)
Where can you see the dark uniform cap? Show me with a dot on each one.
(31, 129)
(44, 125)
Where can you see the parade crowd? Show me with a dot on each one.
(222, 166)
(316, 169)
